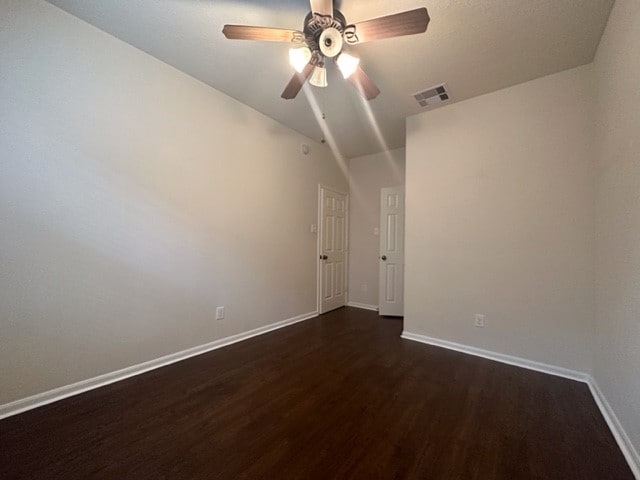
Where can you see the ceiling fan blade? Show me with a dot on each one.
(297, 81)
(266, 34)
(322, 7)
(364, 84)
(396, 25)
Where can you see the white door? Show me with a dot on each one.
(391, 258)
(332, 249)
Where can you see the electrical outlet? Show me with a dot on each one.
(219, 313)
(364, 287)
(479, 320)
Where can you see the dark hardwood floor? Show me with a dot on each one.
(341, 396)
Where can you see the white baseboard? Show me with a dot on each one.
(362, 305)
(627, 448)
(50, 396)
(499, 357)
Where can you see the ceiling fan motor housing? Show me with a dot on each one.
(315, 26)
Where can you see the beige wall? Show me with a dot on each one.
(617, 341)
(367, 175)
(133, 201)
(499, 221)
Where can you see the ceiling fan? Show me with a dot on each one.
(323, 37)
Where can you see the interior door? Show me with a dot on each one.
(333, 249)
(391, 258)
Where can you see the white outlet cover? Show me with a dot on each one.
(219, 313)
(479, 320)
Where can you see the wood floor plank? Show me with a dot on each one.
(337, 397)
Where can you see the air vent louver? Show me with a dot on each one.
(433, 96)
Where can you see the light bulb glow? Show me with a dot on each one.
(319, 76)
(347, 64)
(299, 57)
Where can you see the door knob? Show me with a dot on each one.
(323, 257)
(383, 258)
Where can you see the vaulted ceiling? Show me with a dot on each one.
(475, 46)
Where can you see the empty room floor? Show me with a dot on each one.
(336, 397)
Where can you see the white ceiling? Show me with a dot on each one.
(475, 46)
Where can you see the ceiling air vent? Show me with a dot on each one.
(432, 96)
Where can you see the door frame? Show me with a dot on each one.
(320, 231)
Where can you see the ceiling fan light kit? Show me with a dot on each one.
(324, 35)
(330, 42)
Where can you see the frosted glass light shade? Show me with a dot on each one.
(347, 64)
(299, 57)
(319, 77)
